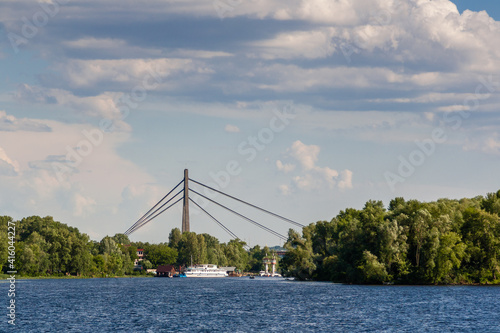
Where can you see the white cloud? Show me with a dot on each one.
(297, 44)
(285, 189)
(132, 72)
(312, 177)
(97, 43)
(366, 70)
(345, 179)
(202, 54)
(306, 155)
(7, 166)
(104, 105)
(11, 123)
(453, 108)
(486, 143)
(415, 32)
(232, 128)
(87, 193)
(285, 167)
(292, 78)
(83, 206)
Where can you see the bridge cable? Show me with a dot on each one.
(149, 218)
(144, 221)
(164, 204)
(232, 234)
(243, 216)
(149, 211)
(152, 218)
(249, 204)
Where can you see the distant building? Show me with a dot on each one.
(280, 251)
(140, 256)
(166, 270)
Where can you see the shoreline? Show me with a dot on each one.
(5, 276)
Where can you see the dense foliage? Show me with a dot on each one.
(410, 242)
(443, 242)
(45, 247)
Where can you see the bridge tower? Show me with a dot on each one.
(185, 208)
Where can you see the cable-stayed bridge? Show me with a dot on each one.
(183, 192)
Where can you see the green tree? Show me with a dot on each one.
(373, 271)
(236, 254)
(121, 239)
(299, 259)
(188, 249)
(449, 256)
(161, 254)
(174, 238)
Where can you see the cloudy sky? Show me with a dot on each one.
(303, 107)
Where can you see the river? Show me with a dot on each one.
(245, 305)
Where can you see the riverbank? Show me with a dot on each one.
(68, 277)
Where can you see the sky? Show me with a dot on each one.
(301, 107)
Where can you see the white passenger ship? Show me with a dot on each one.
(205, 271)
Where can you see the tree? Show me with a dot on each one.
(121, 239)
(491, 203)
(393, 248)
(161, 254)
(373, 271)
(449, 256)
(188, 249)
(146, 264)
(236, 254)
(174, 238)
(299, 259)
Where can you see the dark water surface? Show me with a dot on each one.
(244, 305)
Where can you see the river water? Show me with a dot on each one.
(245, 305)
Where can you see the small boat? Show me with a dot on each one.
(181, 275)
(252, 277)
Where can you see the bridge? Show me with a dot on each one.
(183, 194)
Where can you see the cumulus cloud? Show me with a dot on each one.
(83, 205)
(31, 183)
(231, 128)
(285, 167)
(8, 167)
(9, 122)
(306, 155)
(427, 33)
(312, 176)
(285, 189)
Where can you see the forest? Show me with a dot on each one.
(409, 242)
(45, 247)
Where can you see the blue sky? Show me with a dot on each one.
(313, 106)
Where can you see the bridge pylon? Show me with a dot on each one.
(185, 208)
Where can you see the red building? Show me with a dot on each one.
(166, 270)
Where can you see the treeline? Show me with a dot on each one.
(45, 247)
(189, 248)
(411, 242)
